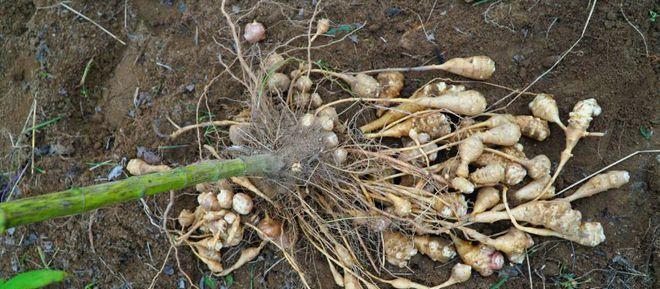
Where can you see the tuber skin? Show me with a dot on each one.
(273, 62)
(487, 197)
(186, 218)
(600, 183)
(506, 134)
(513, 244)
(208, 201)
(398, 248)
(532, 189)
(438, 249)
(138, 167)
(450, 205)
(391, 84)
(544, 107)
(556, 215)
(402, 207)
(489, 175)
(242, 203)
(468, 151)
(482, 258)
(469, 102)
(462, 185)
(578, 123)
(246, 256)
(278, 82)
(429, 90)
(225, 198)
(361, 84)
(475, 67)
(435, 124)
(533, 127)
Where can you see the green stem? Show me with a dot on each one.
(80, 200)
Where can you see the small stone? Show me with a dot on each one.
(182, 283)
(190, 87)
(115, 172)
(11, 231)
(169, 270)
(393, 11)
(147, 155)
(518, 58)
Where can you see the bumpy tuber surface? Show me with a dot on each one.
(438, 249)
(533, 127)
(482, 258)
(545, 107)
(468, 151)
(475, 67)
(398, 248)
(600, 183)
(391, 84)
(254, 32)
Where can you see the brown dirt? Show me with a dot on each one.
(44, 52)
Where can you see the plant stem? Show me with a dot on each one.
(80, 200)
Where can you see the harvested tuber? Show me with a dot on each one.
(513, 244)
(555, 215)
(242, 203)
(278, 82)
(475, 67)
(361, 84)
(489, 175)
(532, 189)
(533, 127)
(600, 183)
(254, 32)
(246, 256)
(398, 248)
(208, 201)
(462, 185)
(438, 249)
(544, 107)
(482, 258)
(487, 197)
(435, 124)
(390, 83)
(450, 205)
(138, 167)
(186, 218)
(225, 198)
(468, 151)
(506, 134)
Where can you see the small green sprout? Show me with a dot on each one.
(33, 279)
(646, 132)
(653, 15)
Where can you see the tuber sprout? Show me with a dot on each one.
(138, 167)
(600, 183)
(482, 258)
(242, 203)
(254, 32)
(398, 248)
(438, 249)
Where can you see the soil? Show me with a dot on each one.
(171, 57)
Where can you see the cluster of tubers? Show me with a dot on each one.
(425, 177)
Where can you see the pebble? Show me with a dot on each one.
(169, 270)
(115, 172)
(182, 283)
(190, 87)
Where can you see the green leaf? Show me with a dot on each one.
(646, 132)
(229, 280)
(34, 279)
(209, 282)
(653, 15)
(500, 283)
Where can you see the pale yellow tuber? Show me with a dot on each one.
(450, 205)
(391, 84)
(533, 127)
(482, 258)
(469, 102)
(278, 82)
(600, 183)
(273, 62)
(462, 185)
(138, 167)
(242, 203)
(246, 256)
(468, 151)
(489, 175)
(208, 201)
(438, 249)
(545, 107)
(487, 197)
(475, 67)
(555, 215)
(532, 189)
(186, 218)
(506, 134)
(435, 124)
(402, 207)
(513, 244)
(398, 248)
(225, 198)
